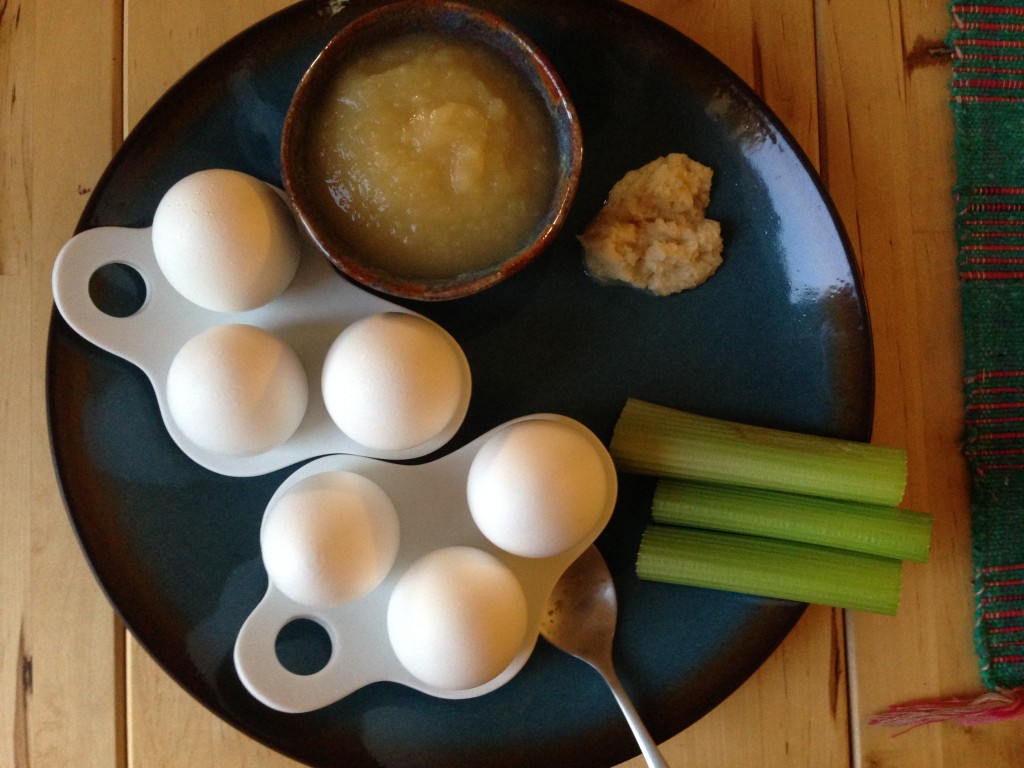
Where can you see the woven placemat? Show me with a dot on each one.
(987, 100)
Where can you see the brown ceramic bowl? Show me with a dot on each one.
(441, 18)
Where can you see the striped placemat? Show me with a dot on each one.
(987, 99)
(986, 44)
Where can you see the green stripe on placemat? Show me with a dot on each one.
(988, 109)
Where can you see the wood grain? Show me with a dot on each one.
(61, 647)
(164, 40)
(888, 131)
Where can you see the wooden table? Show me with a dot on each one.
(863, 89)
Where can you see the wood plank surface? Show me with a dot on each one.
(857, 86)
(889, 132)
(60, 647)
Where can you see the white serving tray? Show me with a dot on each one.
(433, 513)
(317, 305)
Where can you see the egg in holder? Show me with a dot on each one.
(449, 610)
(235, 328)
(261, 356)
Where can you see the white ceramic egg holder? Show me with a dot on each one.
(430, 499)
(433, 513)
(308, 316)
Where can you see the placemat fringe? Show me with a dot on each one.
(990, 707)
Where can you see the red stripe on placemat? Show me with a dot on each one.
(962, 56)
(1007, 630)
(988, 9)
(999, 598)
(993, 275)
(1002, 568)
(1015, 659)
(993, 420)
(993, 615)
(993, 222)
(986, 375)
(990, 70)
(993, 26)
(1010, 569)
(994, 207)
(994, 406)
(987, 99)
(988, 82)
(984, 42)
(990, 190)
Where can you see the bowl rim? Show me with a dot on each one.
(427, 16)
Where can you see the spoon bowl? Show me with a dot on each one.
(580, 619)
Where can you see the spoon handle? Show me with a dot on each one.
(648, 746)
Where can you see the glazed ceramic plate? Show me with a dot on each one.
(778, 337)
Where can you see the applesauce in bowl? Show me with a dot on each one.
(430, 150)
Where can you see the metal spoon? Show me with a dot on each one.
(580, 620)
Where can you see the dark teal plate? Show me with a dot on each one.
(778, 337)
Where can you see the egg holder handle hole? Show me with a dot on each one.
(303, 646)
(118, 289)
(107, 291)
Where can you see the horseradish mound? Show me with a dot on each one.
(652, 233)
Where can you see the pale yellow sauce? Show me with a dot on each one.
(437, 157)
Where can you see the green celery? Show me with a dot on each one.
(841, 524)
(770, 568)
(656, 440)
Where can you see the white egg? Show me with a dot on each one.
(236, 390)
(538, 487)
(330, 539)
(225, 240)
(457, 618)
(394, 381)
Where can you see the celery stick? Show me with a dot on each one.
(655, 440)
(868, 528)
(770, 568)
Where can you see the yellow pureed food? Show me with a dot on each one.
(437, 156)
